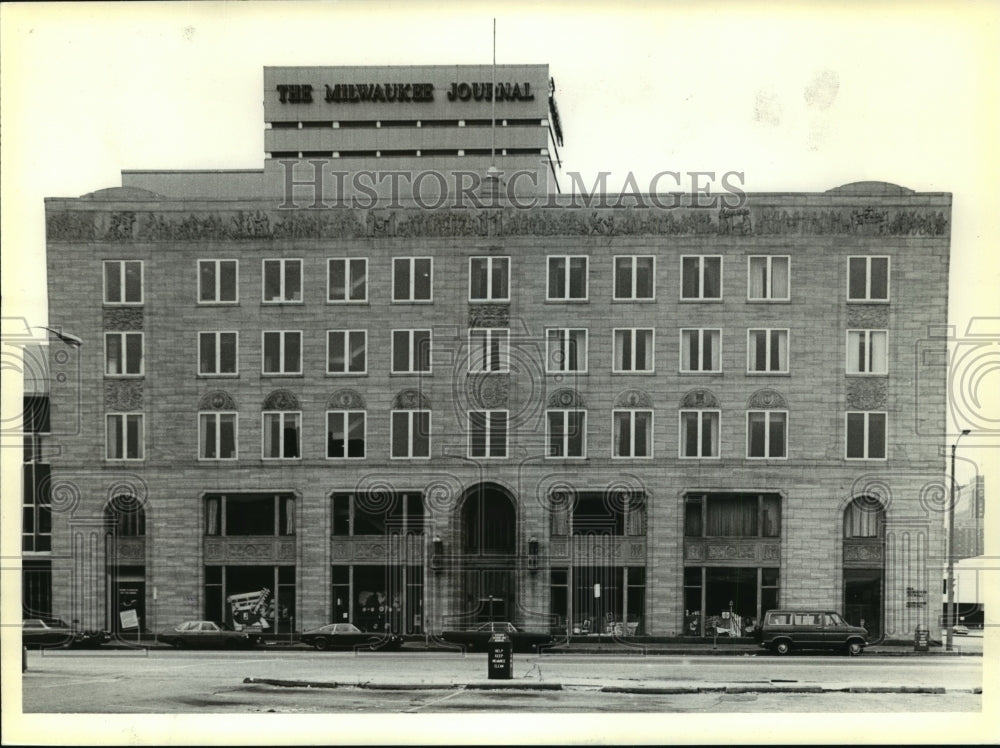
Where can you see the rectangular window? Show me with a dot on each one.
(346, 351)
(866, 436)
(123, 353)
(767, 351)
(412, 278)
(217, 353)
(567, 278)
(732, 515)
(567, 433)
(125, 436)
(867, 352)
(282, 352)
(235, 515)
(123, 281)
(282, 435)
(411, 351)
(868, 278)
(633, 433)
(282, 281)
(411, 433)
(767, 278)
(217, 436)
(633, 350)
(489, 279)
(566, 349)
(766, 433)
(217, 281)
(699, 435)
(701, 277)
(488, 433)
(345, 434)
(347, 280)
(701, 350)
(488, 349)
(634, 277)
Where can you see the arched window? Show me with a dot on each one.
(126, 516)
(864, 518)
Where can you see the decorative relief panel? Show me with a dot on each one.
(410, 400)
(281, 400)
(346, 399)
(861, 553)
(217, 400)
(737, 551)
(864, 393)
(215, 549)
(129, 551)
(700, 399)
(868, 316)
(559, 547)
(250, 550)
(488, 391)
(489, 315)
(123, 318)
(550, 220)
(566, 398)
(286, 550)
(766, 400)
(123, 395)
(598, 548)
(633, 399)
(263, 549)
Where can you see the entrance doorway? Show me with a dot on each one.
(487, 565)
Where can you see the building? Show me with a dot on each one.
(625, 417)
(969, 520)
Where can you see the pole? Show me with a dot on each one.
(950, 608)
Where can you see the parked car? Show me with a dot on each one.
(782, 631)
(207, 634)
(55, 632)
(349, 636)
(477, 638)
(960, 630)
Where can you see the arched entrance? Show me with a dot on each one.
(864, 564)
(125, 549)
(488, 531)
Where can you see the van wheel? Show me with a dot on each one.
(855, 648)
(782, 647)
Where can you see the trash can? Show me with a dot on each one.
(499, 657)
(921, 639)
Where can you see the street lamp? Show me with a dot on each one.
(951, 549)
(68, 338)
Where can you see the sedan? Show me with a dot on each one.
(480, 636)
(349, 636)
(54, 632)
(959, 630)
(207, 634)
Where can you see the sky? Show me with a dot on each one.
(796, 96)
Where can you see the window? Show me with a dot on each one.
(282, 435)
(488, 433)
(867, 352)
(766, 433)
(217, 353)
(634, 277)
(345, 434)
(411, 351)
(566, 349)
(633, 350)
(347, 279)
(282, 281)
(699, 433)
(124, 436)
(732, 515)
(489, 278)
(567, 433)
(249, 514)
(567, 278)
(767, 351)
(217, 436)
(701, 277)
(217, 281)
(701, 350)
(123, 282)
(868, 278)
(367, 513)
(411, 433)
(633, 433)
(866, 436)
(123, 353)
(346, 351)
(126, 516)
(412, 278)
(767, 278)
(282, 352)
(488, 349)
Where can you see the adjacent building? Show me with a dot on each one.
(642, 417)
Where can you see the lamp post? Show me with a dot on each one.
(951, 550)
